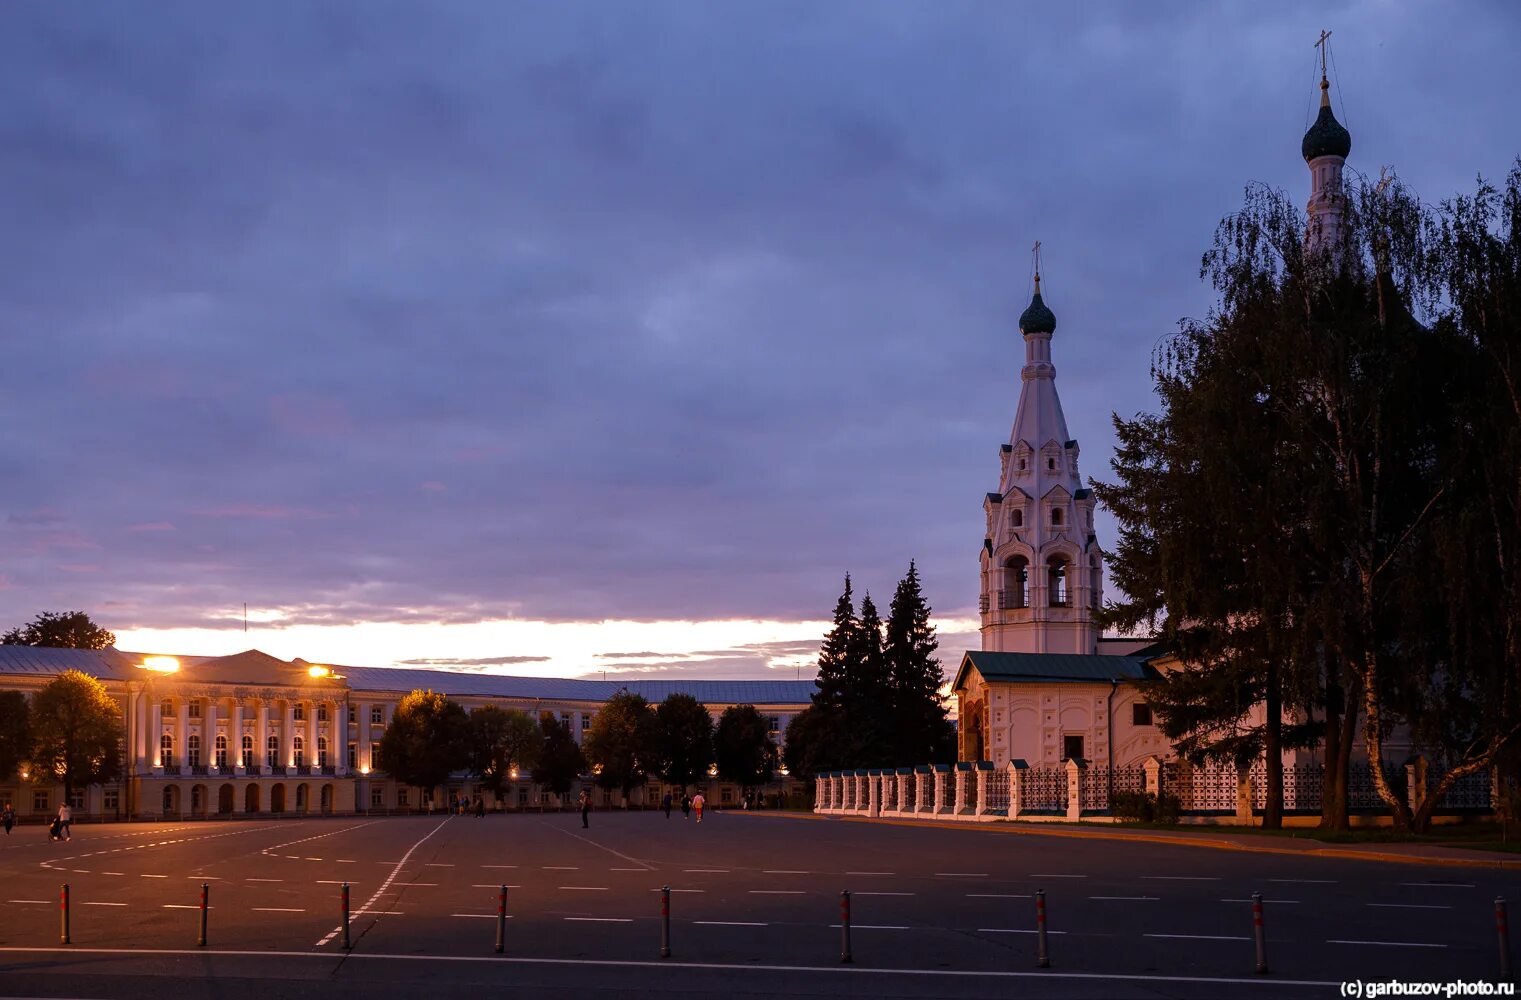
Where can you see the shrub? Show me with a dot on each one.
(1144, 807)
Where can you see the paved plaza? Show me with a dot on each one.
(755, 910)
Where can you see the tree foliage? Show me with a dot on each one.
(743, 747)
(685, 739)
(77, 731)
(15, 732)
(500, 741)
(623, 744)
(560, 760)
(426, 740)
(922, 731)
(62, 630)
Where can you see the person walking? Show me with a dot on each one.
(585, 808)
(65, 817)
(480, 807)
(8, 817)
(698, 801)
(665, 803)
(686, 806)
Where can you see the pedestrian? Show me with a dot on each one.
(480, 807)
(585, 808)
(65, 817)
(698, 801)
(665, 803)
(686, 806)
(8, 817)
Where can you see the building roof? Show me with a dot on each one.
(1037, 318)
(256, 667)
(1326, 136)
(1047, 667)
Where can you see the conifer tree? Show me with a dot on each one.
(835, 678)
(922, 731)
(869, 702)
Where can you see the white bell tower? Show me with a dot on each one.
(1325, 148)
(1042, 571)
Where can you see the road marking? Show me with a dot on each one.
(705, 871)
(112, 873)
(1200, 937)
(681, 890)
(384, 885)
(1182, 878)
(206, 878)
(997, 895)
(871, 873)
(104, 904)
(1306, 881)
(1149, 899)
(778, 892)
(185, 906)
(729, 923)
(582, 888)
(1387, 944)
(155, 876)
(1439, 885)
(276, 909)
(328, 881)
(505, 866)
(44, 902)
(479, 916)
(386, 913)
(347, 861)
(961, 874)
(1410, 906)
(628, 869)
(1275, 902)
(435, 864)
(1010, 930)
(1058, 876)
(560, 868)
(314, 859)
(876, 927)
(881, 894)
(602, 920)
(493, 885)
(782, 871)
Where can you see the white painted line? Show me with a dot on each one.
(493, 885)
(502, 866)
(384, 885)
(328, 881)
(185, 906)
(602, 920)
(112, 873)
(1388, 944)
(385, 913)
(1439, 885)
(347, 861)
(1010, 930)
(560, 868)
(1147, 899)
(875, 927)
(435, 864)
(582, 888)
(873, 874)
(881, 894)
(1182, 878)
(1409, 906)
(682, 890)
(276, 909)
(1200, 937)
(104, 904)
(314, 859)
(206, 878)
(479, 916)
(729, 923)
(1057, 876)
(782, 871)
(961, 874)
(1306, 881)
(628, 869)
(997, 895)
(155, 876)
(42, 902)
(778, 892)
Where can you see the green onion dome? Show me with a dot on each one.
(1326, 137)
(1037, 318)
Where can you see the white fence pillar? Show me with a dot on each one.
(1017, 769)
(1075, 769)
(984, 772)
(874, 794)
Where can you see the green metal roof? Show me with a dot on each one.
(1070, 667)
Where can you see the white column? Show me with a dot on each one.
(235, 740)
(362, 714)
(209, 736)
(155, 731)
(287, 733)
(339, 745)
(261, 733)
(182, 742)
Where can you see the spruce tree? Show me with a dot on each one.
(921, 728)
(869, 704)
(835, 679)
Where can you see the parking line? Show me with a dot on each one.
(1275, 902)
(1010, 930)
(881, 894)
(1439, 885)
(42, 902)
(155, 876)
(782, 871)
(602, 920)
(876, 927)
(1200, 937)
(479, 916)
(493, 885)
(729, 923)
(265, 880)
(1057, 876)
(1306, 881)
(560, 868)
(418, 885)
(873, 874)
(705, 871)
(1410, 906)
(961, 874)
(997, 895)
(1388, 944)
(105, 904)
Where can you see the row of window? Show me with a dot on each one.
(42, 799)
(298, 712)
(271, 751)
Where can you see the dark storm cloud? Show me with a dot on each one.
(417, 313)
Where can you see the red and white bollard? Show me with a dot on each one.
(845, 926)
(345, 897)
(63, 914)
(205, 900)
(1259, 934)
(665, 921)
(501, 920)
(1042, 952)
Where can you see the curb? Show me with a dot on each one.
(1047, 830)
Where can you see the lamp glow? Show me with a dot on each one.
(161, 664)
(316, 670)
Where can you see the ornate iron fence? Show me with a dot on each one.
(1043, 789)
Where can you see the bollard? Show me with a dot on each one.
(1042, 953)
(63, 914)
(1258, 934)
(1502, 930)
(205, 896)
(845, 926)
(346, 944)
(501, 919)
(665, 921)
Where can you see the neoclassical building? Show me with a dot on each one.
(253, 734)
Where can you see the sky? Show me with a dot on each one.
(562, 338)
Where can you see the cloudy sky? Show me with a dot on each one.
(554, 338)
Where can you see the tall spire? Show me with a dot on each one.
(1325, 147)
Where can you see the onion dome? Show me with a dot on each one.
(1326, 137)
(1037, 318)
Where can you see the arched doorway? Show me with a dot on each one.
(327, 800)
(171, 800)
(226, 796)
(303, 797)
(277, 799)
(251, 799)
(198, 800)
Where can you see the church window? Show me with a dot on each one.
(1056, 517)
(1051, 465)
(1140, 714)
(1056, 584)
(1017, 518)
(1016, 584)
(1022, 465)
(1072, 748)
